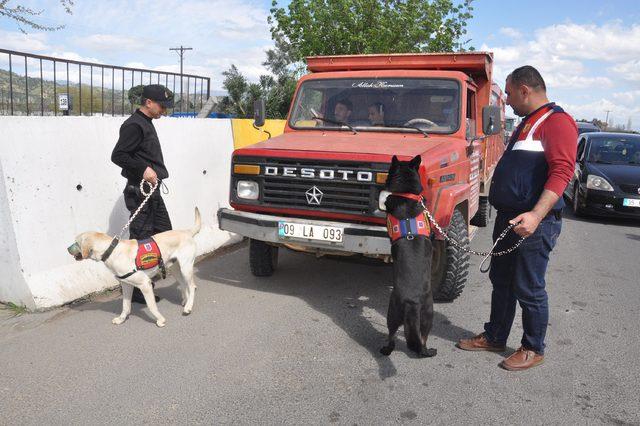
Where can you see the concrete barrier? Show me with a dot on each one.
(57, 180)
(244, 134)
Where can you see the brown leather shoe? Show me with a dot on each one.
(522, 359)
(479, 343)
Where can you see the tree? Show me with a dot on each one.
(277, 89)
(25, 16)
(236, 86)
(335, 27)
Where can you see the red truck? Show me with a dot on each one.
(319, 187)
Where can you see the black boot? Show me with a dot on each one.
(138, 297)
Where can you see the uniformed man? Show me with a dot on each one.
(526, 190)
(139, 154)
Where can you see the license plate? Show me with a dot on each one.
(630, 202)
(310, 232)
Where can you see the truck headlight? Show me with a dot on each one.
(599, 183)
(381, 199)
(248, 189)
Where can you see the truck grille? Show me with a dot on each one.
(338, 195)
(351, 198)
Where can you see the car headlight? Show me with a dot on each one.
(599, 183)
(381, 199)
(248, 189)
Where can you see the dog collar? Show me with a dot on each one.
(112, 246)
(414, 197)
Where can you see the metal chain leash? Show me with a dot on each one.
(485, 254)
(147, 196)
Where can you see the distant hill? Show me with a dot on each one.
(113, 99)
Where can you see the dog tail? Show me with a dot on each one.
(198, 224)
(412, 326)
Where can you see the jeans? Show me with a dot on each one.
(519, 276)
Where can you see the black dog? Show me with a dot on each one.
(411, 302)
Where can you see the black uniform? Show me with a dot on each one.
(138, 148)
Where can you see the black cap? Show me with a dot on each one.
(158, 93)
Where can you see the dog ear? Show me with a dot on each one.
(394, 164)
(415, 162)
(86, 252)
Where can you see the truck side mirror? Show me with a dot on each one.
(258, 113)
(491, 120)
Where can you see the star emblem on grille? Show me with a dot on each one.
(314, 196)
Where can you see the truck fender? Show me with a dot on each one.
(446, 200)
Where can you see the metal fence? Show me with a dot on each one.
(32, 85)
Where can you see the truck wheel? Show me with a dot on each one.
(263, 258)
(481, 218)
(450, 265)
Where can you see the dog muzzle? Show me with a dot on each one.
(75, 251)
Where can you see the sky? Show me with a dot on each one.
(587, 51)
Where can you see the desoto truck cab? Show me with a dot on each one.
(318, 187)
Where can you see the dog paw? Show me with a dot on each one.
(186, 312)
(386, 350)
(118, 320)
(428, 352)
(161, 322)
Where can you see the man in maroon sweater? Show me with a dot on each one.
(526, 190)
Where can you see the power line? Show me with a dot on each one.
(180, 50)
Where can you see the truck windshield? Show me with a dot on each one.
(383, 104)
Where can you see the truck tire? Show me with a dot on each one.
(450, 266)
(481, 218)
(263, 258)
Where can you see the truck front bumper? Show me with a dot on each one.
(364, 239)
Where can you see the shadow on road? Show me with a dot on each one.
(354, 295)
(111, 302)
(568, 214)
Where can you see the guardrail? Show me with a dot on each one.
(36, 85)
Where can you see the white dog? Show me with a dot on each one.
(178, 250)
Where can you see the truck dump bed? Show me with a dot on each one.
(473, 63)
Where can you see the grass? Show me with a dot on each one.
(16, 309)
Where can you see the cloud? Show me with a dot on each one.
(206, 20)
(619, 112)
(510, 32)
(629, 99)
(110, 42)
(73, 56)
(30, 43)
(629, 71)
(610, 42)
(560, 51)
(556, 71)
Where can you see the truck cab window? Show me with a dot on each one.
(471, 114)
(409, 104)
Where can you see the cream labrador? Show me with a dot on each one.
(178, 250)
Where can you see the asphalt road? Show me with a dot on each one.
(302, 346)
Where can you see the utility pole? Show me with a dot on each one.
(606, 120)
(180, 50)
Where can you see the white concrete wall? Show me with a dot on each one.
(44, 159)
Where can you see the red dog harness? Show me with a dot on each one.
(411, 227)
(148, 257)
